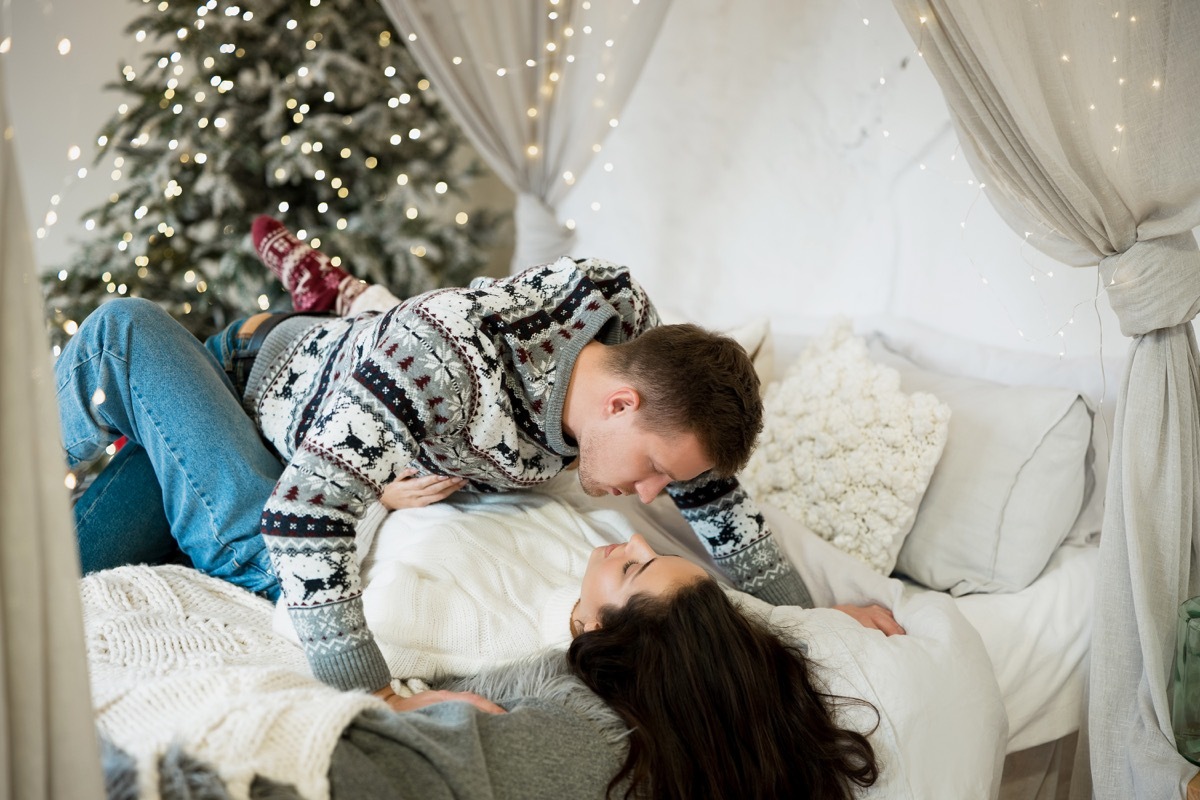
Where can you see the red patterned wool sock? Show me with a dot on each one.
(308, 275)
(349, 289)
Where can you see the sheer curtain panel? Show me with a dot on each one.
(1083, 119)
(48, 746)
(535, 87)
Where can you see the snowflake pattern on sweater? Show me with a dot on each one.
(468, 382)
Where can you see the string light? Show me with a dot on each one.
(1152, 83)
(554, 56)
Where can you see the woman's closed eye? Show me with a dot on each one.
(628, 564)
(642, 565)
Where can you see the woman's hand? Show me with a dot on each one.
(873, 616)
(409, 492)
(422, 699)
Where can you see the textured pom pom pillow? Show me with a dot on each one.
(844, 450)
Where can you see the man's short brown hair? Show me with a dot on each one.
(696, 381)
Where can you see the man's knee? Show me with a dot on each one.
(125, 317)
(126, 310)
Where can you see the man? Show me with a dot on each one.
(504, 384)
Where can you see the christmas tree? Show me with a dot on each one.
(309, 110)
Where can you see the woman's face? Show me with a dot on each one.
(618, 571)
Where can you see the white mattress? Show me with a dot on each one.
(1037, 639)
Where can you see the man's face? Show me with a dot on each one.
(616, 456)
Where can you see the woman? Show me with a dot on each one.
(717, 704)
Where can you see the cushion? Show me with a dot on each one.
(844, 450)
(1094, 376)
(1009, 486)
(754, 336)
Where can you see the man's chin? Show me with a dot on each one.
(591, 489)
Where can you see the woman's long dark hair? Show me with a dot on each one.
(717, 704)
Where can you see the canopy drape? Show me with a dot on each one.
(1083, 119)
(48, 746)
(535, 87)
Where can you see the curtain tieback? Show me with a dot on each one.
(1154, 284)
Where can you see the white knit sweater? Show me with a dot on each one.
(475, 581)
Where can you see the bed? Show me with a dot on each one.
(981, 699)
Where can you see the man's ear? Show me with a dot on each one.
(622, 399)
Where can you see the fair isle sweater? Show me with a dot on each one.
(468, 382)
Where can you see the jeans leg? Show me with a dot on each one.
(132, 370)
(120, 518)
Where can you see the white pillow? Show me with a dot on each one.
(756, 339)
(844, 450)
(1096, 378)
(1008, 488)
(754, 336)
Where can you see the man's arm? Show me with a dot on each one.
(729, 523)
(369, 430)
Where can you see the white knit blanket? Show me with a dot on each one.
(177, 657)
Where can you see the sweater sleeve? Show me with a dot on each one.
(369, 427)
(729, 523)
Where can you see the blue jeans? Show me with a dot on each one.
(195, 474)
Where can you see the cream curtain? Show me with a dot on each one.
(535, 87)
(1083, 118)
(48, 746)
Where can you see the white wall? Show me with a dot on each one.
(58, 101)
(750, 173)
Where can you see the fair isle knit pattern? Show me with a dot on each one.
(729, 523)
(468, 382)
(312, 280)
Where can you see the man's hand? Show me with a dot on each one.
(409, 492)
(422, 699)
(873, 616)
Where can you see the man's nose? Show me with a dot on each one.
(651, 488)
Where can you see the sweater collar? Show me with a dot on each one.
(594, 327)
